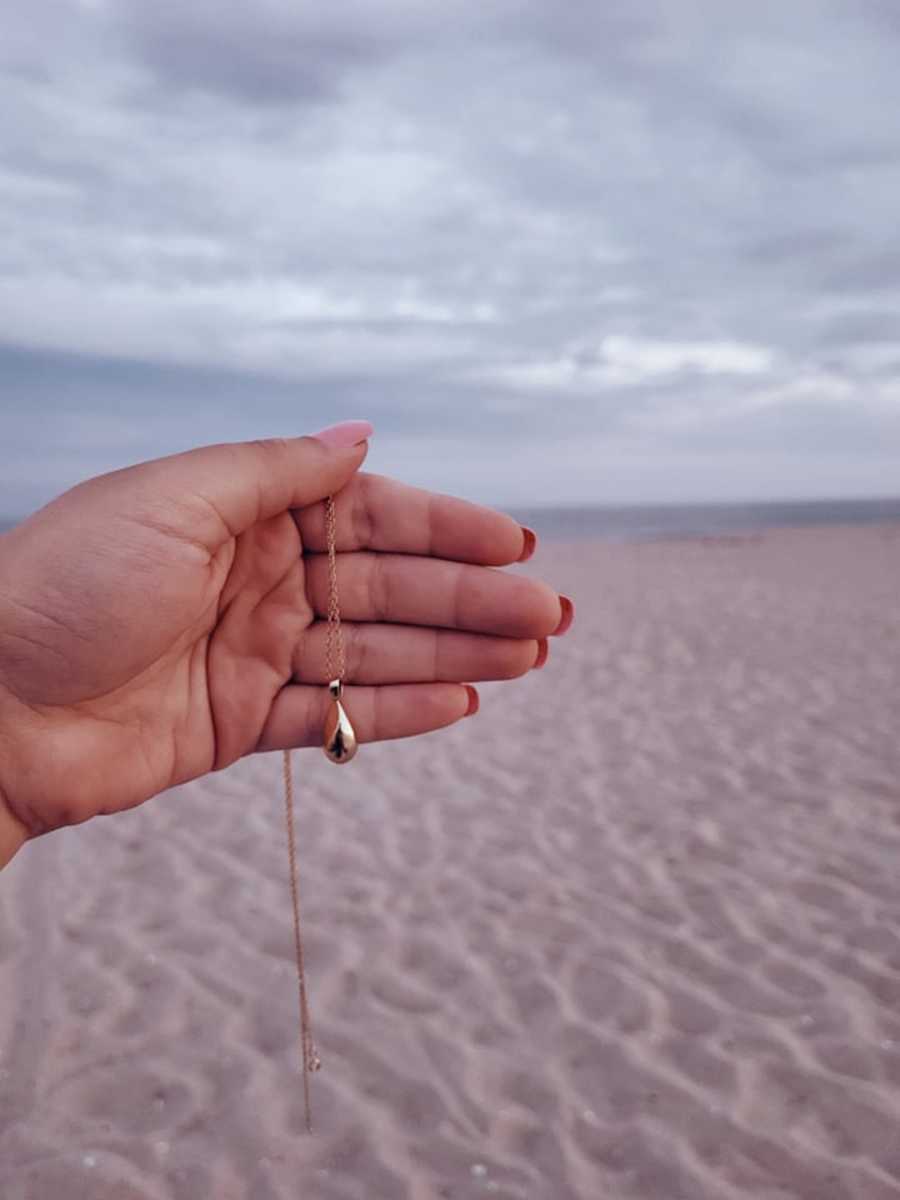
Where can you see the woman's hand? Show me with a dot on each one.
(162, 621)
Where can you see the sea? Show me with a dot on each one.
(638, 522)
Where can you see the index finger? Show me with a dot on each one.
(377, 513)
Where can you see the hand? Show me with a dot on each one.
(162, 621)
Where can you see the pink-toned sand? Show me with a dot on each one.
(633, 931)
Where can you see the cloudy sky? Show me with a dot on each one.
(556, 251)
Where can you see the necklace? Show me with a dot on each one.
(340, 746)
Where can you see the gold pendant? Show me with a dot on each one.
(340, 738)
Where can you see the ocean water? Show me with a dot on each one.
(650, 522)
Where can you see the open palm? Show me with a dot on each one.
(162, 621)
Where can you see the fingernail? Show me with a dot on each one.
(344, 434)
(473, 700)
(542, 652)
(530, 542)
(568, 616)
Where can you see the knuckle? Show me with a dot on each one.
(379, 588)
(362, 517)
(273, 447)
(356, 651)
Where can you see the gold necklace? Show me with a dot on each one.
(340, 746)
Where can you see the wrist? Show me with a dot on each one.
(13, 834)
(13, 831)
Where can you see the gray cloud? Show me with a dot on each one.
(654, 234)
(274, 55)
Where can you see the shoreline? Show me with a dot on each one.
(627, 523)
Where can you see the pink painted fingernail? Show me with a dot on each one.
(530, 542)
(344, 434)
(473, 700)
(568, 616)
(542, 652)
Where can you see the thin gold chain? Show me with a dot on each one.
(309, 1058)
(334, 669)
(334, 642)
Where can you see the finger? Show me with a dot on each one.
(409, 590)
(409, 654)
(297, 718)
(375, 513)
(229, 487)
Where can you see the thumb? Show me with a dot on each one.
(240, 483)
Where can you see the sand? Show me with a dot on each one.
(632, 931)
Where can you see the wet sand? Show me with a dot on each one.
(632, 931)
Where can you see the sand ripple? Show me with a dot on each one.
(644, 944)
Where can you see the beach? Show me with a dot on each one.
(631, 931)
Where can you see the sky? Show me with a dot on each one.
(557, 252)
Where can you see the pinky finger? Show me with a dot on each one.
(297, 717)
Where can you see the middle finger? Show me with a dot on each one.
(415, 590)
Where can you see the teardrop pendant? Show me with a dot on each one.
(340, 737)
